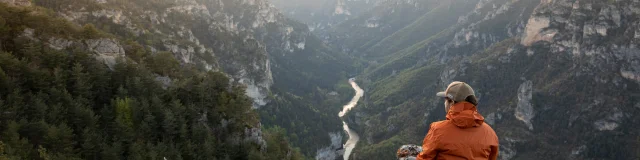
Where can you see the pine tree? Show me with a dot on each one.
(31, 51)
(147, 127)
(3, 155)
(89, 31)
(113, 151)
(13, 103)
(169, 126)
(60, 139)
(15, 146)
(5, 84)
(81, 82)
(4, 30)
(137, 151)
(36, 109)
(124, 112)
(90, 146)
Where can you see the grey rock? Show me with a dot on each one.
(507, 149)
(331, 152)
(106, 50)
(524, 110)
(59, 43)
(447, 76)
(576, 152)
(611, 122)
(17, 2)
(164, 80)
(29, 33)
(492, 118)
(254, 135)
(408, 152)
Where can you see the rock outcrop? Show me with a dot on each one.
(254, 135)
(524, 109)
(408, 152)
(106, 50)
(533, 32)
(17, 2)
(333, 151)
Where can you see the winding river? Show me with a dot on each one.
(353, 136)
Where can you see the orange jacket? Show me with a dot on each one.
(464, 135)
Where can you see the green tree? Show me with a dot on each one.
(5, 83)
(81, 82)
(135, 51)
(90, 146)
(15, 146)
(89, 31)
(31, 51)
(43, 153)
(36, 109)
(147, 127)
(4, 31)
(3, 155)
(137, 151)
(113, 151)
(163, 63)
(169, 126)
(60, 139)
(123, 111)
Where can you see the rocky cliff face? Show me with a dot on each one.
(176, 29)
(107, 50)
(240, 38)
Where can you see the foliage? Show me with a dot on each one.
(64, 104)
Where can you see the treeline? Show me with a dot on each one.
(64, 104)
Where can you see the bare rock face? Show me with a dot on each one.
(507, 149)
(164, 80)
(331, 152)
(59, 43)
(408, 152)
(17, 2)
(255, 135)
(524, 111)
(107, 50)
(610, 122)
(533, 31)
(492, 118)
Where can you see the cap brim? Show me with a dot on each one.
(440, 94)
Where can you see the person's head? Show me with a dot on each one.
(457, 92)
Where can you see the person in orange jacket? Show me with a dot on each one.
(463, 135)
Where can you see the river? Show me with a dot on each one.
(353, 136)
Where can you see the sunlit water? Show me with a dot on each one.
(353, 136)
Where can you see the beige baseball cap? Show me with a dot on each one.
(457, 91)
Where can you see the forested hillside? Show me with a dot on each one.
(289, 74)
(72, 103)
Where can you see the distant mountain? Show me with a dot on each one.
(322, 15)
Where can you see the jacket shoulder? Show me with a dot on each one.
(438, 124)
(489, 130)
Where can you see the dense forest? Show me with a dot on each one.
(65, 104)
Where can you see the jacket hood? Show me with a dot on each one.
(465, 115)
